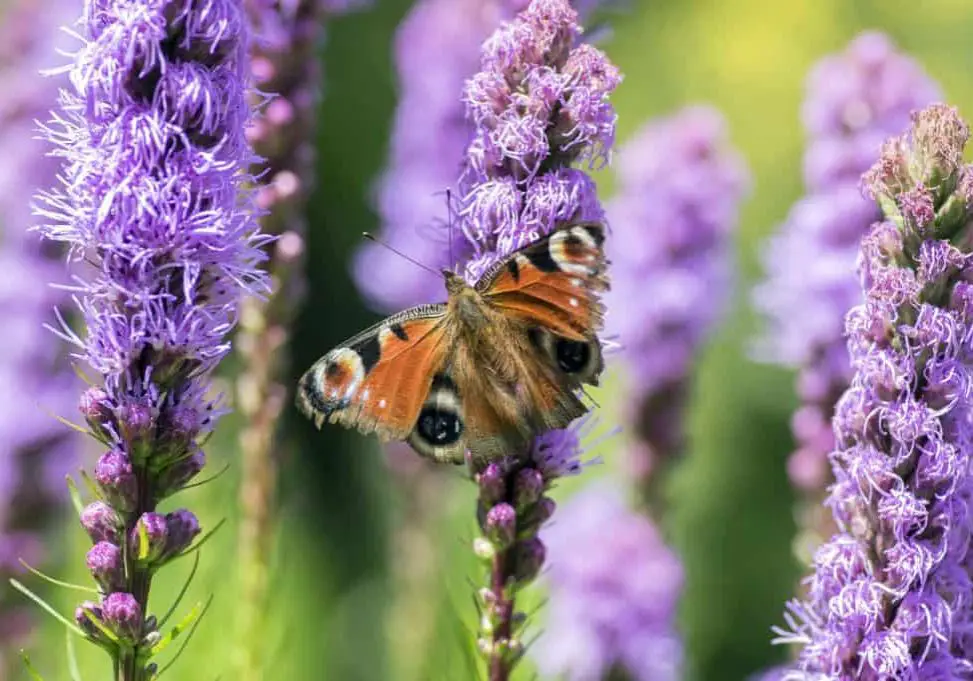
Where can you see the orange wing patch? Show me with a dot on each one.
(554, 283)
(378, 381)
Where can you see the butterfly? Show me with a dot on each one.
(485, 372)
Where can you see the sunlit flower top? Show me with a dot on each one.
(890, 597)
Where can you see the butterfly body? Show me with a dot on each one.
(496, 364)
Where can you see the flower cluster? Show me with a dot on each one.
(613, 587)
(680, 188)
(538, 104)
(511, 509)
(854, 101)
(152, 134)
(37, 451)
(891, 591)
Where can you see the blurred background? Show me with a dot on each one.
(368, 565)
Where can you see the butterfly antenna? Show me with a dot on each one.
(372, 237)
(449, 224)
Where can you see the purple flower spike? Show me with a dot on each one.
(891, 590)
(613, 586)
(673, 219)
(153, 197)
(37, 450)
(854, 100)
(539, 104)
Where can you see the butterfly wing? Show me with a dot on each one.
(379, 380)
(554, 283)
(549, 293)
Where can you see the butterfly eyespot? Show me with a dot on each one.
(439, 427)
(572, 356)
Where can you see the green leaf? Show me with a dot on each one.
(208, 480)
(185, 643)
(188, 621)
(205, 538)
(182, 592)
(57, 582)
(91, 485)
(47, 607)
(29, 667)
(75, 495)
(143, 543)
(72, 425)
(72, 657)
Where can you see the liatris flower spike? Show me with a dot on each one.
(855, 100)
(152, 133)
(539, 103)
(673, 219)
(891, 591)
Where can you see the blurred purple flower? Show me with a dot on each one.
(680, 188)
(539, 104)
(854, 101)
(37, 451)
(152, 197)
(613, 587)
(891, 593)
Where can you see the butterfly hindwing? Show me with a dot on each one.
(379, 380)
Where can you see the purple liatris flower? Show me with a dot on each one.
(613, 586)
(37, 450)
(854, 101)
(890, 597)
(152, 134)
(678, 203)
(539, 104)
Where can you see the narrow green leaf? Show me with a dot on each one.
(57, 582)
(75, 495)
(208, 480)
(189, 637)
(182, 592)
(188, 621)
(143, 542)
(72, 654)
(29, 667)
(91, 485)
(102, 627)
(202, 540)
(47, 607)
(71, 424)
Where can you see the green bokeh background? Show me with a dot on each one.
(334, 566)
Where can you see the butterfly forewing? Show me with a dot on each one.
(379, 380)
(554, 283)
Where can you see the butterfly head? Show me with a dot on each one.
(454, 283)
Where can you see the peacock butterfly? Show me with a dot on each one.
(498, 363)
